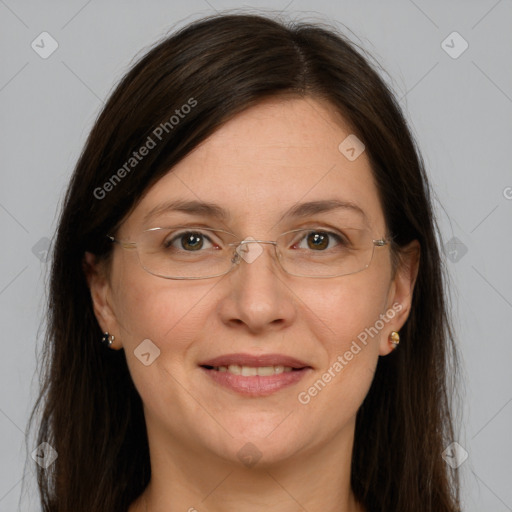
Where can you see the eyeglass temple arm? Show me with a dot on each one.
(122, 243)
(383, 241)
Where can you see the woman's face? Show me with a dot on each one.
(264, 162)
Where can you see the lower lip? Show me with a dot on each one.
(256, 385)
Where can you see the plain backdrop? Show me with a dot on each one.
(458, 100)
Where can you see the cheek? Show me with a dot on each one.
(349, 306)
(149, 307)
(169, 314)
(348, 313)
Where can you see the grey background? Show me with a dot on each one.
(460, 110)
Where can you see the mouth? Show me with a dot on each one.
(251, 371)
(251, 375)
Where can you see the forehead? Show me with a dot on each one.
(265, 161)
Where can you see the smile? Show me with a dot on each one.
(255, 381)
(250, 371)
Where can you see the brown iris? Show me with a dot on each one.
(319, 240)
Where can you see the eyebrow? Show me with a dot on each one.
(207, 209)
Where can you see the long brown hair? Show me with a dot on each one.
(91, 413)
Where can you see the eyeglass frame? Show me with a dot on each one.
(236, 258)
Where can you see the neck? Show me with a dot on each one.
(188, 479)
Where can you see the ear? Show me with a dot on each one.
(99, 286)
(401, 292)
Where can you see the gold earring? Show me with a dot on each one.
(394, 337)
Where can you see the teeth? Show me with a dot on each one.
(265, 370)
(250, 371)
(247, 371)
(235, 369)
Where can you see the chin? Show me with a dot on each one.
(257, 447)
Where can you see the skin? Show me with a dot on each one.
(258, 165)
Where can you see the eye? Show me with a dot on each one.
(320, 240)
(190, 241)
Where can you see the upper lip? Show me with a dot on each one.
(255, 360)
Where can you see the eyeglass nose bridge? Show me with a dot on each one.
(235, 260)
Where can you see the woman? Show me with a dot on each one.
(250, 222)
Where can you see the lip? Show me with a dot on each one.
(255, 385)
(255, 360)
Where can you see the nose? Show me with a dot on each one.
(258, 297)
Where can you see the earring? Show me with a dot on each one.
(394, 337)
(107, 339)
